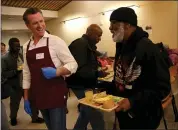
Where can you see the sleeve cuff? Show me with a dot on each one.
(26, 85)
(71, 67)
(131, 100)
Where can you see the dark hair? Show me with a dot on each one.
(30, 11)
(2, 44)
(12, 40)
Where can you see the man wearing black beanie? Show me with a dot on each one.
(141, 75)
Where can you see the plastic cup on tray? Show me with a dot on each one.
(89, 94)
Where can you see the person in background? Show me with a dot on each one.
(173, 55)
(84, 51)
(5, 93)
(13, 74)
(3, 49)
(4, 118)
(47, 60)
(141, 75)
(15, 58)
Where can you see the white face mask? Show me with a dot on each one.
(118, 35)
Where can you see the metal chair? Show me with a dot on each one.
(165, 103)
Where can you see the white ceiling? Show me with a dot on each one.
(54, 5)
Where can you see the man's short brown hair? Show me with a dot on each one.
(30, 11)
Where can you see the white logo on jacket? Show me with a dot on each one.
(132, 73)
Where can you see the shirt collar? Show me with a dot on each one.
(46, 35)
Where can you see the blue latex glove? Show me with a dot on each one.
(27, 107)
(49, 72)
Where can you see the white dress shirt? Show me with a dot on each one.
(59, 53)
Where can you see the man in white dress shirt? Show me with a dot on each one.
(47, 60)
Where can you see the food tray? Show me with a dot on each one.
(91, 104)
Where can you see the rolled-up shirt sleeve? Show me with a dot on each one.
(26, 71)
(65, 56)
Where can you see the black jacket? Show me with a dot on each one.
(10, 72)
(84, 52)
(149, 77)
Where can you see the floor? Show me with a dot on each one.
(24, 121)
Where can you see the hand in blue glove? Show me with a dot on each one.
(27, 107)
(49, 72)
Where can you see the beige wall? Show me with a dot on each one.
(162, 16)
(165, 23)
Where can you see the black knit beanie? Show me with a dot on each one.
(124, 14)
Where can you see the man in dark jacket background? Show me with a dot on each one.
(141, 74)
(14, 76)
(5, 93)
(12, 63)
(84, 51)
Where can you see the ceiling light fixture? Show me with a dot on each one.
(71, 19)
(102, 13)
(108, 11)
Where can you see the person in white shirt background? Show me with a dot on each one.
(47, 60)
